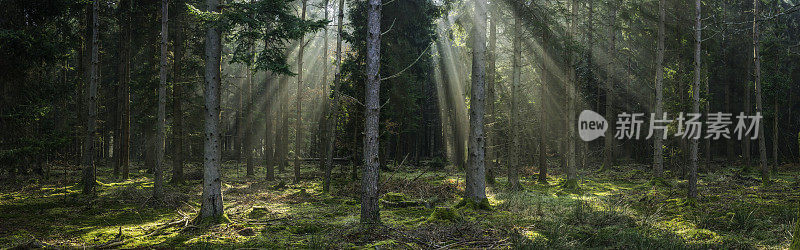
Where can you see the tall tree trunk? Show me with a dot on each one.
(323, 127)
(707, 142)
(370, 212)
(571, 172)
(125, 123)
(658, 150)
(746, 153)
(475, 189)
(298, 139)
(692, 193)
(608, 147)
(542, 127)
(283, 136)
(177, 93)
(513, 166)
(775, 138)
(762, 148)
(211, 206)
(491, 70)
(334, 117)
(89, 178)
(158, 185)
(269, 139)
(247, 141)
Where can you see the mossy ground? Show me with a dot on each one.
(619, 208)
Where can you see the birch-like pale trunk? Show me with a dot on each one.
(211, 205)
(370, 212)
(692, 192)
(158, 173)
(475, 188)
(658, 150)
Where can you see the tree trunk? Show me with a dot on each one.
(370, 212)
(491, 70)
(475, 189)
(247, 141)
(746, 153)
(299, 122)
(323, 122)
(707, 142)
(158, 185)
(692, 193)
(762, 148)
(177, 94)
(775, 138)
(211, 206)
(571, 172)
(89, 179)
(658, 150)
(608, 147)
(334, 118)
(513, 166)
(269, 139)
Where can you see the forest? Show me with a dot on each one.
(400, 124)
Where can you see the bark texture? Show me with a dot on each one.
(370, 212)
(475, 189)
(211, 205)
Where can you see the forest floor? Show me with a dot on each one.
(619, 208)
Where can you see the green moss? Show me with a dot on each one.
(258, 212)
(443, 214)
(394, 197)
(205, 222)
(471, 204)
(571, 184)
(796, 235)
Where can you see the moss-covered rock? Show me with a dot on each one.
(394, 197)
(258, 212)
(443, 214)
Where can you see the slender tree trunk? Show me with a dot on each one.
(370, 212)
(775, 138)
(211, 206)
(491, 70)
(608, 154)
(247, 141)
(125, 123)
(513, 166)
(746, 153)
(89, 178)
(323, 127)
(692, 193)
(283, 136)
(571, 162)
(334, 118)
(269, 139)
(298, 143)
(762, 148)
(158, 185)
(542, 128)
(707, 142)
(177, 94)
(475, 189)
(658, 150)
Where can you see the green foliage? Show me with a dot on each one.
(273, 24)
